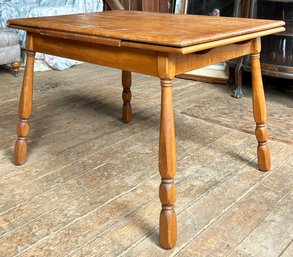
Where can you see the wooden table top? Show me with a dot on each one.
(146, 27)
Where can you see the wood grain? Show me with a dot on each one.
(130, 59)
(167, 167)
(193, 29)
(72, 187)
(260, 114)
(24, 112)
(98, 38)
(202, 46)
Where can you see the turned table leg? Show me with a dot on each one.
(126, 96)
(167, 167)
(24, 112)
(260, 115)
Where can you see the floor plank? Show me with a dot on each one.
(287, 252)
(243, 217)
(205, 210)
(90, 185)
(272, 235)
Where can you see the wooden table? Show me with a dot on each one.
(162, 45)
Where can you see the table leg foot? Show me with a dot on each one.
(167, 167)
(264, 157)
(260, 115)
(126, 96)
(168, 221)
(20, 149)
(25, 109)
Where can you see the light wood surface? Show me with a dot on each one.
(167, 167)
(259, 111)
(202, 46)
(67, 36)
(174, 30)
(25, 110)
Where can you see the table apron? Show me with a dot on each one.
(188, 62)
(133, 59)
(129, 59)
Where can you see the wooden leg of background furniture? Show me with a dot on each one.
(167, 167)
(25, 109)
(260, 115)
(15, 66)
(237, 93)
(126, 96)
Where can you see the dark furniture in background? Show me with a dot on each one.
(139, 5)
(113, 5)
(227, 8)
(277, 50)
(277, 57)
(205, 7)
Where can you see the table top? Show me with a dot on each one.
(151, 28)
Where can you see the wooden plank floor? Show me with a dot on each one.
(90, 185)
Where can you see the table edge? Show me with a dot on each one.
(147, 46)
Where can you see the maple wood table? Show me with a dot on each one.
(162, 45)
